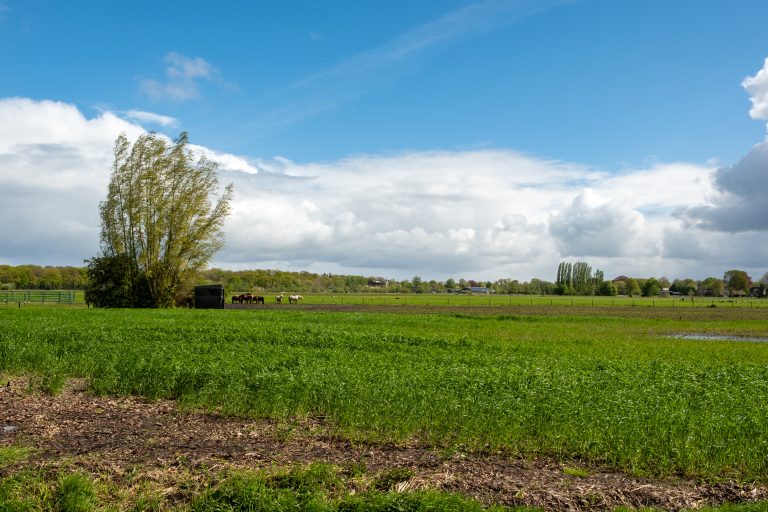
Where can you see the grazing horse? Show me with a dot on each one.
(279, 298)
(258, 299)
(294, 299)
(243, 298)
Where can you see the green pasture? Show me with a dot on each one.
(611, 390)
(460, 300)
(27, 298)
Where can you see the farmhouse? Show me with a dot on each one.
(476, 290)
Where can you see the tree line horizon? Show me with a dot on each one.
(580, 281)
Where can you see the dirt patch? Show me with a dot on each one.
(115, 435)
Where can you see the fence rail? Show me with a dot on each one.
(8, 297)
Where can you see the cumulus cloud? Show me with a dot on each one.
(757, 87)
(490, 213)
(593, 226)
(481, 214)
(54, 168)
(183, 77)
(54, 164)
(740, 199)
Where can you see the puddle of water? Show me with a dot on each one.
(718, 337)
(9, 429)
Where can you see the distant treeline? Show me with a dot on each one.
(279, 281)
(572, 279)
(35, 277)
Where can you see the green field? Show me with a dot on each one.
(460, 300)
(608, 389)
(29, 298)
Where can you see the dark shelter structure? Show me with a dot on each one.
(209, 296)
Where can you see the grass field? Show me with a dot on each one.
(12, 298)
(605, 389)
(459, 300)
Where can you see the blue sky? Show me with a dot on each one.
(600, 82)
(604, 88)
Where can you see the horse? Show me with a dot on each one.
(279, 298)
(243, 298)
(258, 299)
(294, 299)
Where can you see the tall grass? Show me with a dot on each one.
(609, 390)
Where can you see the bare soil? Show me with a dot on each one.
(115, 436)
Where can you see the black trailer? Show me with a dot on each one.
(209, 296)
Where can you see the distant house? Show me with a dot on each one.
(480, 290)
(709, 292)
(378, 282)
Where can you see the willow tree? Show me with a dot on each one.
(161, 215)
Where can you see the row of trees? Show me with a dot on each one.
(577, 279)
(582, 282)
(35, 277)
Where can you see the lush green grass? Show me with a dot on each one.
(13, 454)
(444, 299)
(610, 390)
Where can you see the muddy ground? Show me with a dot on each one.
(116, 437)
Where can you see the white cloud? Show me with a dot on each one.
(141, 116)
(182, 67)
(477, 214)
(738, 201)
(757, 87)
(593, 226)
(183, 77)
(485, 213)
(54, 169)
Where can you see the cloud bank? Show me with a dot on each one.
(477, 214)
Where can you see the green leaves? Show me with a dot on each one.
(161, 216)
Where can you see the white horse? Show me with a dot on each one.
(279, 298)
(294, 299)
